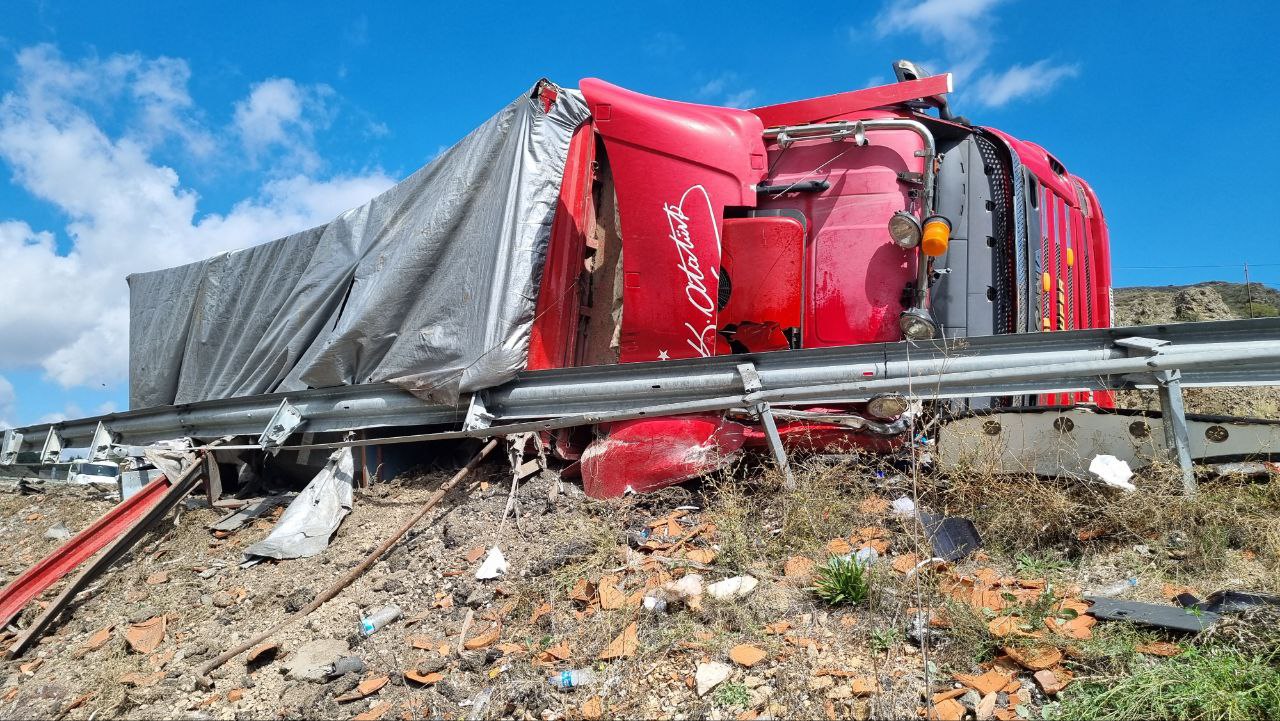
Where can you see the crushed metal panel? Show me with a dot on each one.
(1052, 442)
(311, 519)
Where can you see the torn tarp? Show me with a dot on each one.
(306, 525)
(431, 285)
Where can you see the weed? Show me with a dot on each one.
(1039, 566)
(883, 639)
(732, 694)
(843, 581)
(1201, 684)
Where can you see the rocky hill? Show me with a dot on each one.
(1214, 300)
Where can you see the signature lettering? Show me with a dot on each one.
(702, 341)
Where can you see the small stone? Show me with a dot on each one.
(842, 691)
(709, 675)
(1048, 681)
(819, 683)
(223, 599)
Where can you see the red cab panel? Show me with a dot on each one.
(854, 274)
(675, 166)
(643, 455)
(763, 265)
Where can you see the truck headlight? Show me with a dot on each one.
(916, 324)
(904, 229)
(887, 406)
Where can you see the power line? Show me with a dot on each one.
(1187, 267)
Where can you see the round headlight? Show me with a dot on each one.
(887, 406)
(904, 229)
(916, 324)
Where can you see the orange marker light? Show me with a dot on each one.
(937, 236)
(1071, 257)
(1045, 285)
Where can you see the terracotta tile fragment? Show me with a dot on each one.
(746, 655)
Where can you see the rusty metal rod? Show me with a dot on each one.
(203, 677)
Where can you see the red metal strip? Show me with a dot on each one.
(83, 545)
(827, 107)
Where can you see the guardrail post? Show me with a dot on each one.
(10, 447)
(51, 452)
(1176, 436)
(751, 383)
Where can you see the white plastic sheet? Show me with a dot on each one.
(307, 524)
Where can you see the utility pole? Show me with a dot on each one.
(1248, 290)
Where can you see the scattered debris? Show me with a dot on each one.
(494, 565)
(1112, 471)
(255, 508)
(367, 687)
(370, 624)
(624, 645)
(731, 588)
(312, 660)
(1174, 618)
(146, 636)
(746, 655)
(310, 520)
(58, 532)
(571, 679)
(952, 538)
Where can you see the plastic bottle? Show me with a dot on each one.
(566, 680)
(370, 624)
(1116, 589)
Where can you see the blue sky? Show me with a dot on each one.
(156, 133)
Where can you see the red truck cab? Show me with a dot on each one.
(687, 230)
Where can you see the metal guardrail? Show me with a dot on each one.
(1209, 353)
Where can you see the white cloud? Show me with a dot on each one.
(67, 311)
(725, 89)
(281, 114)
(962, 28)
(8, 399)
(1022, 81)
(739, 99)
(965, 31)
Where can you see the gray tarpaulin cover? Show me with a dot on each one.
(430, 286)
(306, 525)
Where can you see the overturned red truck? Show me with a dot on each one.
(876, 215)
(602, 226)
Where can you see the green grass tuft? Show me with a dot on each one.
(843, 581)
(1200, 684)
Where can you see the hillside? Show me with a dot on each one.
(1213, 300)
